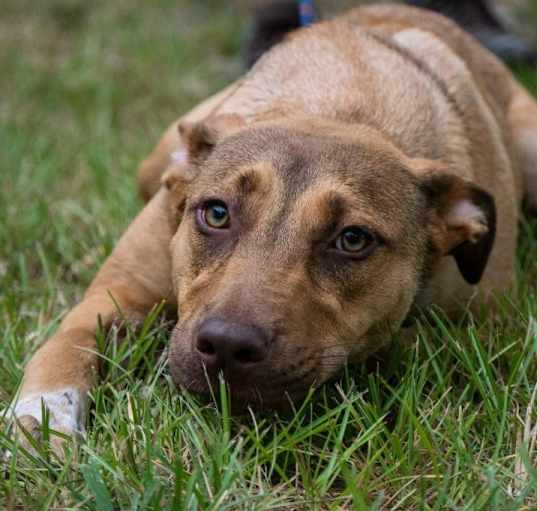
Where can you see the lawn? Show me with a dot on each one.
(86, 89)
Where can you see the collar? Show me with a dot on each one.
(306, 12)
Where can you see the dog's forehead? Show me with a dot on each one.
(365, 169)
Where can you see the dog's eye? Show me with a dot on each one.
(355, 240)
(216, 215)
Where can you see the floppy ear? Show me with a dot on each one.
(463, 221)
(199, 140)
(201, 137)
(176, 181)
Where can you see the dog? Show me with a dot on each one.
(365, 168)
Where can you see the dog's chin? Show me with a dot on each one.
(257, 393)
(245, 395)
(269, 387)
(242, 399)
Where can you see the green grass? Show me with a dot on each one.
(86, 89)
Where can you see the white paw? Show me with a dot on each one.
(66, 409)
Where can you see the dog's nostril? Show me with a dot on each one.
(248, 356)
(205, 347)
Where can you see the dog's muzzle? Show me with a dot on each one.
(256, 363)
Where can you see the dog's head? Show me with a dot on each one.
(301, 245)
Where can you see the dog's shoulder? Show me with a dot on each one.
(402, 23)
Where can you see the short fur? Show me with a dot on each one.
(388, 118)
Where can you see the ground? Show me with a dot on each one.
(86, 90)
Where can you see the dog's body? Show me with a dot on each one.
(390, 120)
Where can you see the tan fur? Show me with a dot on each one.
(390, 118)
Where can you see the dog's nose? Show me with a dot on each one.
(229, 347)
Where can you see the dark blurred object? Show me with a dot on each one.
(69, 15)
(273, 20)
(477, 17)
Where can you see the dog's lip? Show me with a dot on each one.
(242, 398)
(245, 393)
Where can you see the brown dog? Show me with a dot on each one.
(365, 166)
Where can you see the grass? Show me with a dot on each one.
(87, 88)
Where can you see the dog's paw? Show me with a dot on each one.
(29, 434)
(63, 412)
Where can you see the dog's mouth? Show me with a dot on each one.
(242, 397)
(266, 388)
(272, 379)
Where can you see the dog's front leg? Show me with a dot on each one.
(135, 277)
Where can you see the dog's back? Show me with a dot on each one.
(390, 67)
(488, 72)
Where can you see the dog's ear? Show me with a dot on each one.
(200, 138)
(462, 220)
(176, 181)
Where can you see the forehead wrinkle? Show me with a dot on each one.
(329, 204)
(389, 197)
(264, 201)
(259, 178)
(261, 196)
(241, 181)
(319, 207)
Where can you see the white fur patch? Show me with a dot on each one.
(179, 156)
(67, 409)
(466, 211)
(466, 214)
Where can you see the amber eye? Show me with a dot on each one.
(355, 240)
(216, 215)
